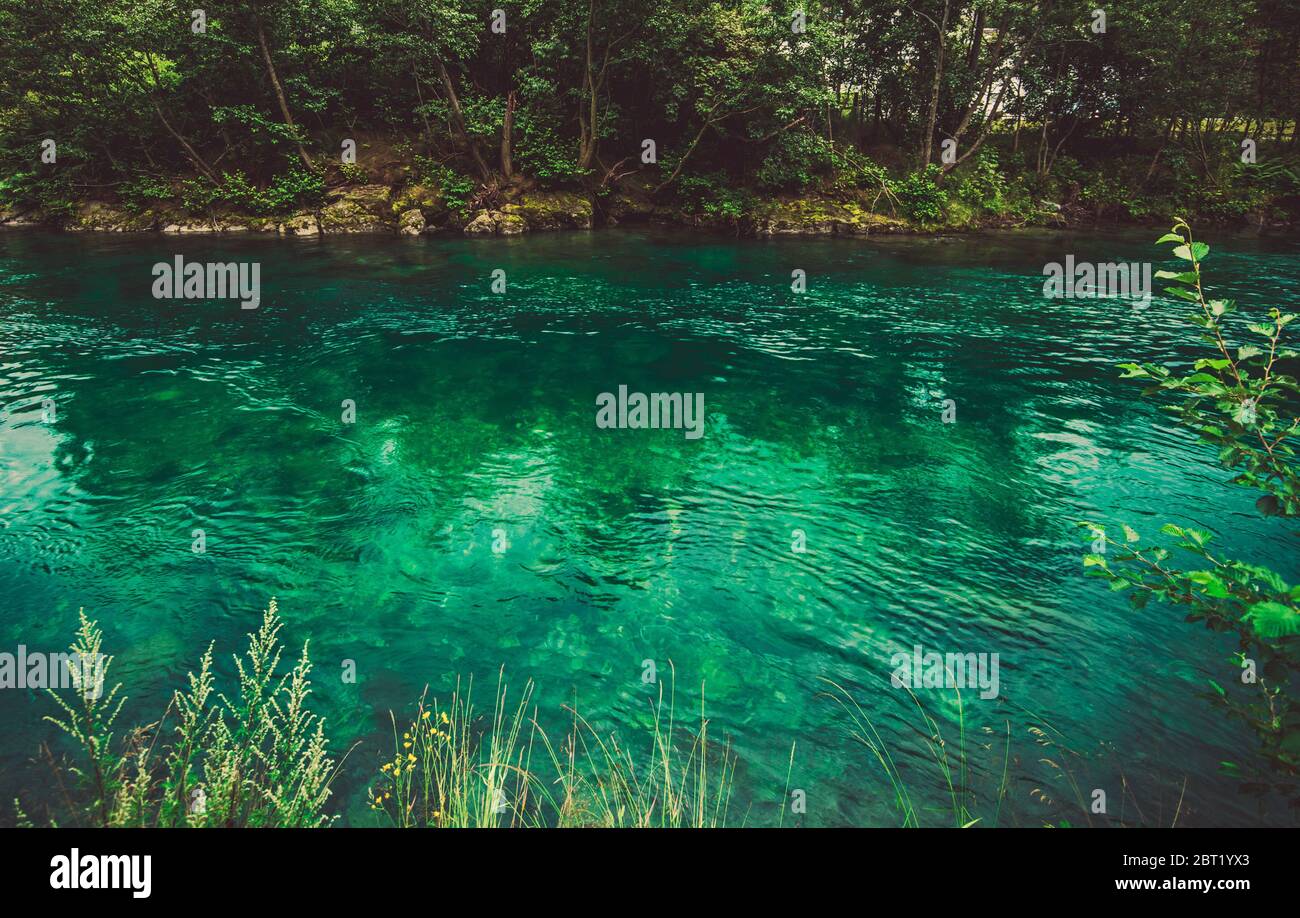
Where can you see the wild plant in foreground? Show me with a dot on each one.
(444, 775)
(449, 771)
(1240, 400)
(257, 759)
(956, 774)
(953, 768)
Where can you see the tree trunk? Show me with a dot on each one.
(1151, 170)
(193, 154)
(279, 92)
(507, 131)
(458, 124)
(587, 126)
(932, 114)
(202, 165)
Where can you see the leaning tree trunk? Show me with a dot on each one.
(279, 94)
(458, 124)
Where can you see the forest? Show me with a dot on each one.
(831, 116)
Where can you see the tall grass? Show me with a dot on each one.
(951, 762)
(259, 758)
(1074, 804)
(451, 768)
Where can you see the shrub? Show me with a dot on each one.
(456, 189)
(52, 195)
(794, 162)
(141, 193)
(287, 192)
(1240, 401)
(920, 196)
(541, 151)
(713, 196)
(354, 174)
(258, 759)
(981, 183)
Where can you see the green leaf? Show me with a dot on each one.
(1273, 620)
(1211, 583)
(1169, 237)
(1129, 534)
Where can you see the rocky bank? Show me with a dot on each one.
(418, 210)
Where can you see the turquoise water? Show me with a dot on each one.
(476, 412)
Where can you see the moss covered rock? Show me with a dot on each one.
(301, 224)
(96, 216)
(496, 223)
(411, 222)
(554, 210)
(357, 209)
(821, 217)
(424, 198)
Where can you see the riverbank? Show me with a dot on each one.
(419, 210)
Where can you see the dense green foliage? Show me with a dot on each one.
(1243, 402)
(1027, 100)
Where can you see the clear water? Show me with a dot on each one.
(476, 412)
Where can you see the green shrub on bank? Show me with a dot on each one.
(139, 194)
(51, 194)
(921, 197)
(287, 192)
(456, 189)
